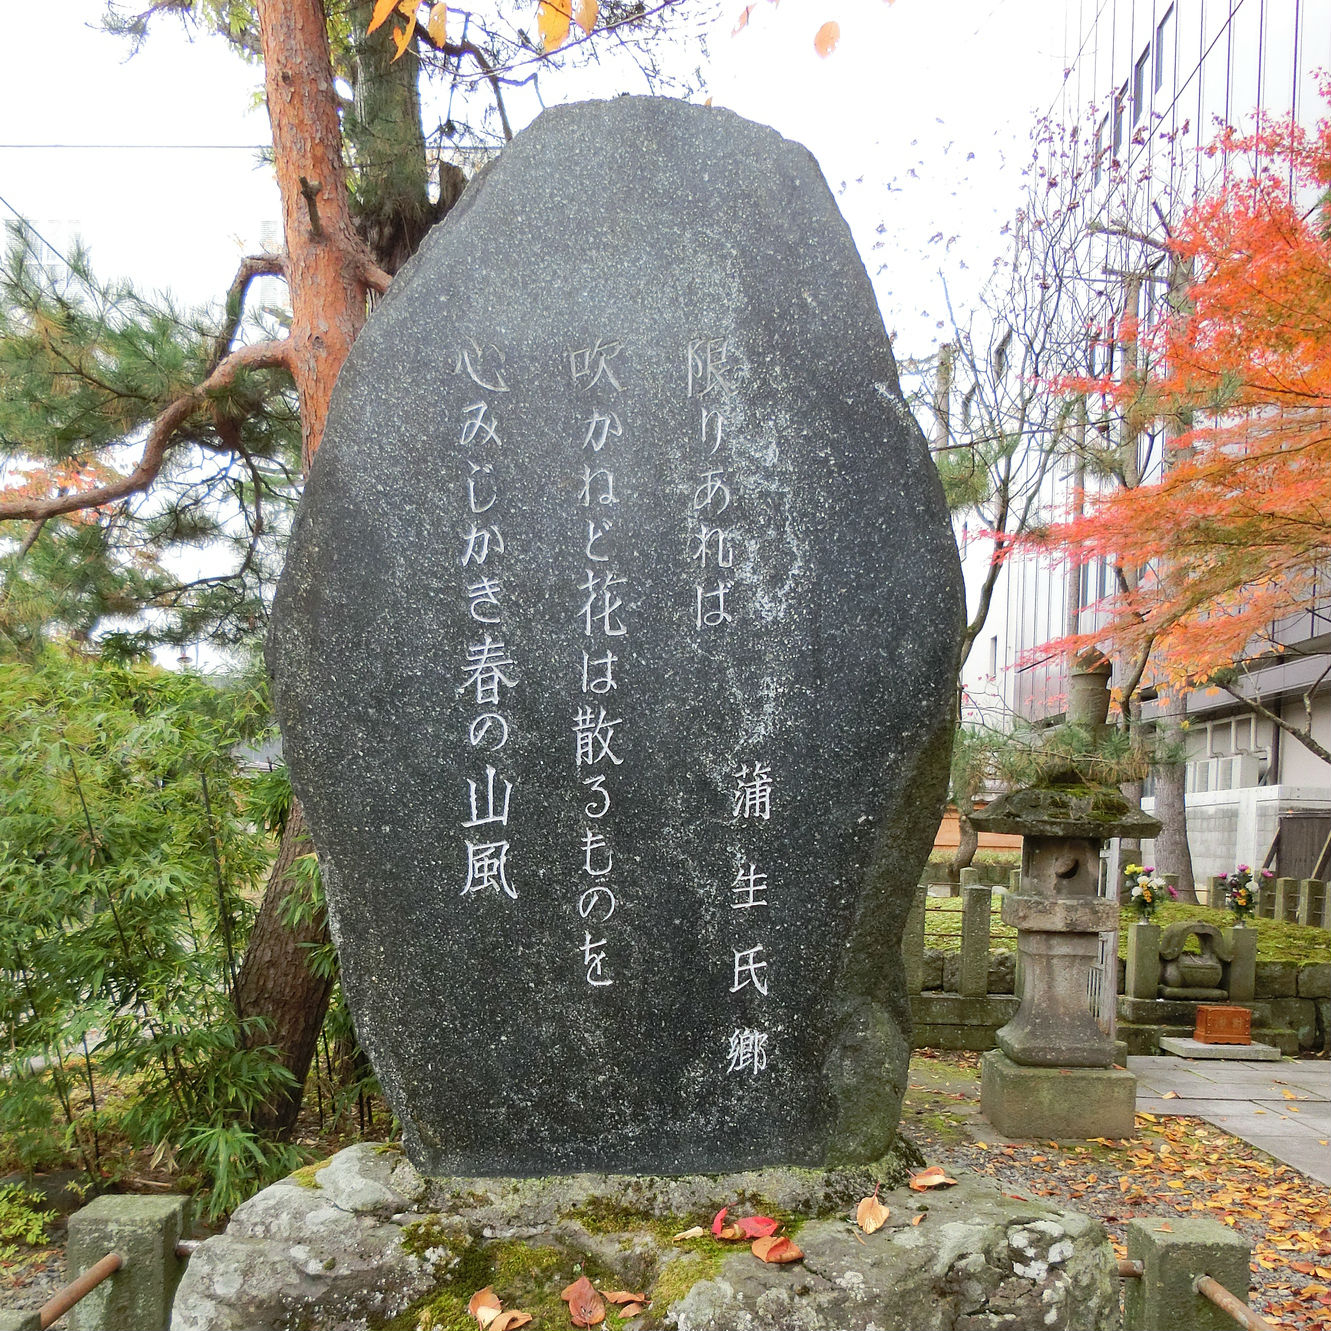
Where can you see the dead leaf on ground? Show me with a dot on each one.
(632, 1310)
(585, 1305)
(776, 1248)
(933, 1177)
(696, 1232)
(719, 1219)
(1171, 1095)
(622, 1296)
(510, 1320)
(756, 1226)
(919, 1219)
(871, 1215)
(484, 1306)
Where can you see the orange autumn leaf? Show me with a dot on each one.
(919, 1219)
(618, 1296)
(776, 1249)
(484, 1306)
(382, 9)
(402, 37)
(510, 1320)
(437, 24)
(826, 38)
(632, 1310)
(871, 1215)
(585, 1305)
(584, 14)
(933, 1177)
(552, 20)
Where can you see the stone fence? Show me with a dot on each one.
(960, 997)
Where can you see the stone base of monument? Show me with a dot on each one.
(363, 1240)
(1186, 1047)
(1071, 1103)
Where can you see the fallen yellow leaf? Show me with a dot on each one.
(871, 1215)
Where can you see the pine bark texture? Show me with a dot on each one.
(326, 265)
(276, 981)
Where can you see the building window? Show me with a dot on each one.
(1097, 162)
(1140, 95)
(1164, 47)
(1120, 106)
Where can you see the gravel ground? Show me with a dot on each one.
(1172, 1167)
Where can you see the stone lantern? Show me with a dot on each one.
(1052, 1074)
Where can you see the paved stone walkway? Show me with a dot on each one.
(1281, 1108)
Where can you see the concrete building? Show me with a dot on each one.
(1150, 81)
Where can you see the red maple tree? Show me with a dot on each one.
(1234, 533)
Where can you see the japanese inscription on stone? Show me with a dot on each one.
(614, 659)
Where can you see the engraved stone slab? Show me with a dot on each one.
(615, 656)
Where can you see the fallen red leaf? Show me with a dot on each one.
(757, 1226)
(719, 1219)
(585, 1305)
(776, 1248)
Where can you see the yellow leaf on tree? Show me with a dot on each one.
(826, 38)
(402, 39)
(437, 24)
(552, 20)
(382, 9)
(584, 14)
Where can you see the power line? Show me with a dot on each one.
(137, 147)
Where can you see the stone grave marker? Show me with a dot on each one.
(615, 656)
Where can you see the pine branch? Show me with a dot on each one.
(161, 438)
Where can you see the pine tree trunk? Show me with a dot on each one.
(967, 844)
(276, 981)
(326, 272)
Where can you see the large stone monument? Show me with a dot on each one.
(615, 658)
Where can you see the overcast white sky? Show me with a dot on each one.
(912, 89)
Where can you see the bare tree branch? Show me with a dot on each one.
(1303, 736)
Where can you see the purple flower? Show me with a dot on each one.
(1173, 891)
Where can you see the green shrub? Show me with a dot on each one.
(130, 869)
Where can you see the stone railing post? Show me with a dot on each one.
(1312, 902)
(976, 905)
(1143, 971)
(1243, 968)
(912, 941)
(144, 1231)
(1173, 1254)
(1215, 891)
(1287, 899)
